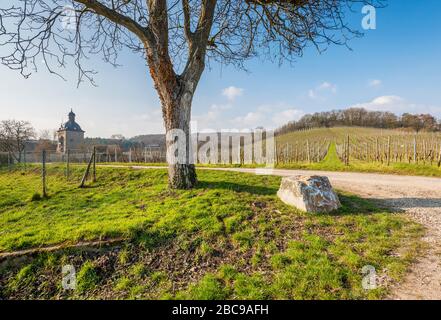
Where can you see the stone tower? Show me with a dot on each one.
(70, 135)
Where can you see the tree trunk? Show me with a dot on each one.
(181, 169)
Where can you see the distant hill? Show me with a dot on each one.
(359, 117)
(150, 139)
(125, 144)
(339, 134)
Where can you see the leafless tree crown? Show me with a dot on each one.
(50, 32)
(13, 136)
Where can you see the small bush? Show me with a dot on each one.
(205, 249)
(124, 256)
(123, 284)
(36, 197)
(139, 270)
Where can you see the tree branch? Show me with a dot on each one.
(144, 34)
(187, 20)
(198, 45)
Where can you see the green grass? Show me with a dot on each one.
(228, 238)
(87, 278)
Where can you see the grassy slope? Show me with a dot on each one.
(332, 163)
(336, 133)
(228, 238)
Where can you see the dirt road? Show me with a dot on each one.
(419, 197)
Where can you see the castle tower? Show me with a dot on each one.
(70, 135)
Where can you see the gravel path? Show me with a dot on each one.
(419, 197)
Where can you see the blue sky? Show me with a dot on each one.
(395, 67)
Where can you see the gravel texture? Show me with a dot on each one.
(420, 198)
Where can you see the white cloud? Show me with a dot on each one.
(250, 120)
(398, 105)
(375, 83)
(219, 117)
(213, 118)
(385, 103)
(220, 107)
(325, 87)
(232, 92)
(268, 117)
(285, 116)
(328, 86)
(136, 124)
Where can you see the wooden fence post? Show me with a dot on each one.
(9, 161)
(439, 157)
(43, 173)
(414, 149)
(94, 164)
(388, 150)
(347, 151)
(68, 164)
(86, 174)
(377, 151)
(308, 152)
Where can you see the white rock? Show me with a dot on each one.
(309, 193)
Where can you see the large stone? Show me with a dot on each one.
(309, 193)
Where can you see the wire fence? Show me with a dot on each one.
(47, 169)
(146, 155)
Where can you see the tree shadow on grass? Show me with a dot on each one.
(351, 204)
(237, 187)
(355, 205)
(400, 204)
(150, 237)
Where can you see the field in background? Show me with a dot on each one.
(361, 150)
(228, 238)
(363, 144)
(356, 149)
(369, 149)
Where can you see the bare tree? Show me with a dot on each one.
(176, 37)
(44, 134)
(117, 136)
(13, 136)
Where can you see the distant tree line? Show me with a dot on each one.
(141, 141)
(363, 118)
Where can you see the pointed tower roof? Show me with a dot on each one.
(71, 125)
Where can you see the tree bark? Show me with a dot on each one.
(176, 91)
(181, 169)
